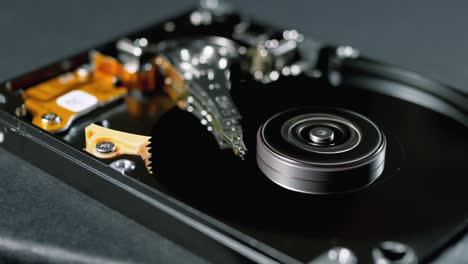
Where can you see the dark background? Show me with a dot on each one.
(40, 217)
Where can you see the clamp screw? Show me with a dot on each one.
(51, 118)
(105, 147)
(123, 165)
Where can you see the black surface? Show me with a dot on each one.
(408, 203)
(43, 219)
(424, 36)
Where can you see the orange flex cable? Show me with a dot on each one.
(55, 103)
(144, 79)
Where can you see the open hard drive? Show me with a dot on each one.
(253, 143)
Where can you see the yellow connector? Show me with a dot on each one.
(106, 143)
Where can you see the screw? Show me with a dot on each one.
(20, 111)
(51, 118)
(394, 252)
(105, 147)
(123, 165)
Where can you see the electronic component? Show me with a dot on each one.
(197, 72)
(106, 143)
(55, 103)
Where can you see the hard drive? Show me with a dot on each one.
(251, 143)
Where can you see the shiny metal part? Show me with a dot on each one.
(273, 54)
(347, 52)
(336, 255)
(21, 111)
(123, 165)
(342, 53)
(200, 17)
(217, 7)
(137, 61)
(51, 118)
(131, 47)
(105, 147)
(321, 135)
(335, 160)
(205, 64)
(130, 53)
(391, 252)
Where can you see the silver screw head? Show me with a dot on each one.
(123, 165)
(105, 147)
(51, 118)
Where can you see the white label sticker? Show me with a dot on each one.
(77, 101)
